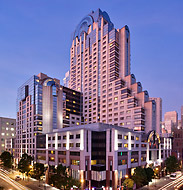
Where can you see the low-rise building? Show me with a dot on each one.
(101, 154)
(7, 133)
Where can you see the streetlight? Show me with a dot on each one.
(82, 183)
(126, 176)
(155, 176)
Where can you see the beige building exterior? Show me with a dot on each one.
(7, 133)
(170, 121)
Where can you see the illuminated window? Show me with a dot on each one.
(126, 137)
(137, 138)
(64, 144)
(71, 144)
(75, 162)
(132, 160)
(115, 98)
(52, 159)
(126, 145)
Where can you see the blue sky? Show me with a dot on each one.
(35, 36)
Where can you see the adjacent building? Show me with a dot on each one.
(43, 105)
(7, 133)
(66, 79)
(101, 154)
(170, 121)
(177, 133)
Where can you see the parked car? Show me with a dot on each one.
(43, 178)
(173, 176)
(17, 178)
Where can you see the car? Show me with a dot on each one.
(17, 178)
(43, 178)
(173, 176)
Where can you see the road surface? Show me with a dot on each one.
(10, 183)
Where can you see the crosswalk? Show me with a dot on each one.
(173, 184)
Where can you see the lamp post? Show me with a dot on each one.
(82, 183)
(156, 169)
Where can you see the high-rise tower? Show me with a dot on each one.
(100, 69)
(43, 105)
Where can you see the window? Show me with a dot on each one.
(72, 153)
(119, 144)
(77, 136)
(75, 162)
(125, 145)
(64, 137)
(115, 98)
(64, 144)
(71, 137)
(126, 137)
(119, 136)
(77, 144)
(71, 145)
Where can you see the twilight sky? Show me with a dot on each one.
(35, 36)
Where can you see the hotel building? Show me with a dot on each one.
(102, 126)
(100, 68)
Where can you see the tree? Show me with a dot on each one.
(37, 171)
(6, 159)
(149, 174)
(140, 177)
(129, 183)
(171, 164)
(61, 178)
(25, 163)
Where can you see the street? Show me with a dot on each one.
(9, 183)
(31, 183)
(164, 183)
(6, 185)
